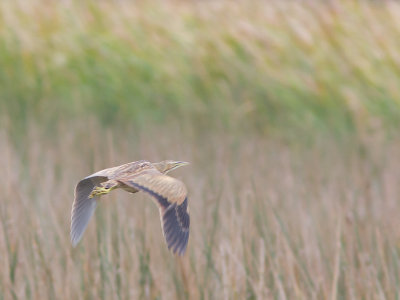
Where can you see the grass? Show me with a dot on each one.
(287, 111)
(269, 220)
(285, 67)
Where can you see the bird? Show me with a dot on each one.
(169, 193)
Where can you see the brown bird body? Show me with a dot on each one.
(169, 193)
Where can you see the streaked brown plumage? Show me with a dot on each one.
(169, 193)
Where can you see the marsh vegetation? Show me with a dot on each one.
(288, 113)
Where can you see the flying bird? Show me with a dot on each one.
(169, 193)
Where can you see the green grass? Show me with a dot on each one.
(293, 66)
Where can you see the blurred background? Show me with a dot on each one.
(287, 110)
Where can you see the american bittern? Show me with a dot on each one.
(169, 193)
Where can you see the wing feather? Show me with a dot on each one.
(176, 227)
(171, 196)
(153, 182)
(83, 206)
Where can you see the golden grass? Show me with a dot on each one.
(269, 220)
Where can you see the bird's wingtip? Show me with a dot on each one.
(75, 240)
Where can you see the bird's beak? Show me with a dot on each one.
(181, 163)
(174, 165)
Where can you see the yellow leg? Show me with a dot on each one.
(99, 190)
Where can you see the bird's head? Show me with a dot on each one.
(169, 165)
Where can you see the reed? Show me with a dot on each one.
(269, 219)
(287, 112)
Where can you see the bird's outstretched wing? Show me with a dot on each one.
(83, 206)
(171, 196)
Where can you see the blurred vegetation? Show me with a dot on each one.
(207, 82)
(279, 66)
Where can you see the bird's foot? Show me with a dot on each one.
(99, 190)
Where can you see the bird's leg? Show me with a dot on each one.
(105, 188)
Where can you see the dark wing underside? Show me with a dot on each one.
(171, 196)
(176, 222)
